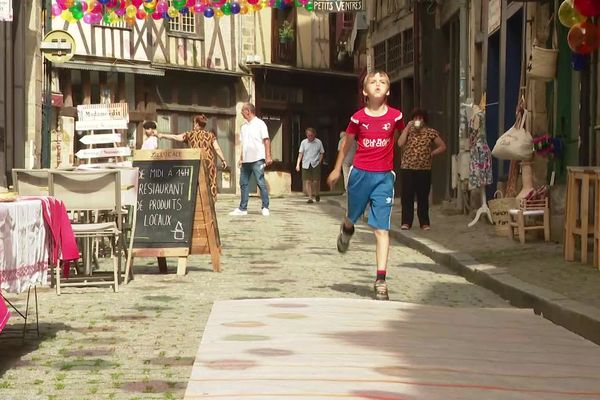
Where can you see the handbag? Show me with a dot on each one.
(516, 143)
(542, 61)
(500, 207)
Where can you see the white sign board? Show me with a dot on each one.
(102, 116)
(6, 10)
(98, 139)
(494, 15)
(104, 152)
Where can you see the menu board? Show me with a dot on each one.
(166, 200)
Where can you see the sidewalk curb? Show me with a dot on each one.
(577, 317)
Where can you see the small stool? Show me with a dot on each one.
(533, 209)
(577, 218)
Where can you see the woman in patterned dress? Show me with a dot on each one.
(201, 138)
(419, 144)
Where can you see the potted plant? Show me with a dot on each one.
(286, 32)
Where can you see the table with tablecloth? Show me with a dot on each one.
(33, 233)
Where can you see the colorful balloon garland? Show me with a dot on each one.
(584, 36)
(130, 11)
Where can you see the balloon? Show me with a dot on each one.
(88, 18)
(141, 14)
(235, 7)
(179, 4)
(244, 9)
(589, 8)
(172, 12)
(218, 12)
(162, 6)
(131, 11)
(583, 38)
(252, 2)
(209, 12)
(137, 3)
(310, 6)
(226, 8)
(579, 61)
(56, 10)
(568, 16)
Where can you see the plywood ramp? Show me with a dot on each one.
(363, 349)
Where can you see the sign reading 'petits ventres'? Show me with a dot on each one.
(335, 6)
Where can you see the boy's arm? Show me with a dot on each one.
(337, 169)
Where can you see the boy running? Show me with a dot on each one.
(371, 179)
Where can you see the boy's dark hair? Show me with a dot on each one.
(201, 120)
(149, 125)
(420, 112)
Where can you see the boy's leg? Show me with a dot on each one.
(407, 196)
(380, 214)
(422, 185)
(359, 190)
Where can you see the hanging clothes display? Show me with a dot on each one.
(4, 314)
(480, 167)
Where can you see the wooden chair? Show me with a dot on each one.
(527, 218)
(82, 193)
(129, 188)
(30, 182)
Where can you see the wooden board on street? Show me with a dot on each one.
(365, 349)
(104, 152)
(101, 138)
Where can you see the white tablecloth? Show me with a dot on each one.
(24, 245)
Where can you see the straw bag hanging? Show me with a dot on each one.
(542, 61)
(499, 208)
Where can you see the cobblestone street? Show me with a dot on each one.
(140, 343)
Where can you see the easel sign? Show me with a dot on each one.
(166, 201)
(173, 198)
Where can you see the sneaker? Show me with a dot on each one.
(318, 198)
(381, 292)
(343, 240)
(265, 212)
(237, 211)
(426, 227)
(309, 201)
(405, 227)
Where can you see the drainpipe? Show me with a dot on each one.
(502, 77)
(463, 90)
(416, 55)
(46, 94)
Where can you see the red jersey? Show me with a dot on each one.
(375, 139)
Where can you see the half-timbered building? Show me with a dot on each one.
(170, 71)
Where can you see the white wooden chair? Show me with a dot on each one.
(83, 192)
(531, 215)
(129, 188)
(30, 182)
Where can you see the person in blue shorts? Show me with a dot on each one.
(371, 179)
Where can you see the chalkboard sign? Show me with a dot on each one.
(166, 201)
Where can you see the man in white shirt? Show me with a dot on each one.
(255, 155)
(311, 155)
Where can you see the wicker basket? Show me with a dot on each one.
(542, 63)
(499, 207)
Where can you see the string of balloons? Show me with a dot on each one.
(584, 35)
(130, 11)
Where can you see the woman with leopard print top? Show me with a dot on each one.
(419, 144)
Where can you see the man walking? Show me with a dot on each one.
(255, 155)
(311, 155)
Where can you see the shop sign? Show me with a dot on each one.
(6, 10)
(336, 6)
(494, 15)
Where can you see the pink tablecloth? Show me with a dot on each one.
(24, 245)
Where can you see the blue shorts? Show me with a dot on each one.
(375, 189)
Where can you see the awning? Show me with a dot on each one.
(200, 70)
(287, 68)
(107, 67)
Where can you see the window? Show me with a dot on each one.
(183, 23)
(275, 128)
(379, 56)
(407, 49)
(394, 53)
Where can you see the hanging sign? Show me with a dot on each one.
(102, 116)
(99, 139)
(104, 152)
(337, 6)
(6, 10)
